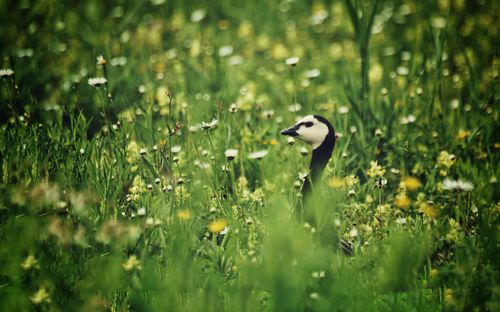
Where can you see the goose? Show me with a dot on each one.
(318, 132)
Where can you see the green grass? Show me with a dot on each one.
(109, 194)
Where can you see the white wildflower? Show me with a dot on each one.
(198, 15)
(226, 50)
(141, 211)
(6, 72)
(292, 61)
(258, 154)
(294, 108)
(231, 153)
(403, 70)
(268, 114)
(353, 233)
(459, 185)
(97, 81)
(407, 119)
(101, 60)
(118, 61)
(313, 73)
(343, 109)
(209, 125)
(176, 149)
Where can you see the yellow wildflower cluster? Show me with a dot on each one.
(132, 152)
(217, 226)
(138, 187)
(162, 97)
(132, 263)
(434, 273)
(115, 232)
(454, 232)
(247, 96)
(376, 170)
(429, 210)
(448, 296)
(463, 134)
(402, 200)
(30, 263)
(180, 191)
(127, 115)
(184, 214)
(40, 296)
(410, 184)
(382, 211)
(242, 183)
(258, 196)
(351, 180)
(338, 182)
(445, 162)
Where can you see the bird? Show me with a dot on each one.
(318, 132)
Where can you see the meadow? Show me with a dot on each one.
(134, 132)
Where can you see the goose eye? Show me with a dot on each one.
(308, 124)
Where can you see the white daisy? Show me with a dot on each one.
(231, 153)
(198, 15)
(209, 125)
(176, 149)
(313, 73)
(6, 72)
(292, 61)
(97, 81)
(258, 154)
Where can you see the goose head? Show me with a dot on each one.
(312, 129)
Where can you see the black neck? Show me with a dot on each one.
(320, 157)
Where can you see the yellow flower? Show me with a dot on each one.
(454, 232)
(376, 72)
(446, 160)
(448, 296)
(217, 226)
(402, 201)
(40, 296)
(162, 96)
(279, 52)
(463, 134)
(375, 170)
(336, 182)
(184, 214)
(138, 187)
(258, 195)
(351, 180)
(429, 210)
(132, 152)
(434, 273)
(368, 199)
(412, 183)
(29, 263)
(101, 60)
(242, 183)
(127, 115)
(132, 263)
(270, 142)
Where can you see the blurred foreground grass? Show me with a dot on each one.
(132, 130)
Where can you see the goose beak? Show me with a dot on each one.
(290, 131)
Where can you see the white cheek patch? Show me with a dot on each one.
(314, 135)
